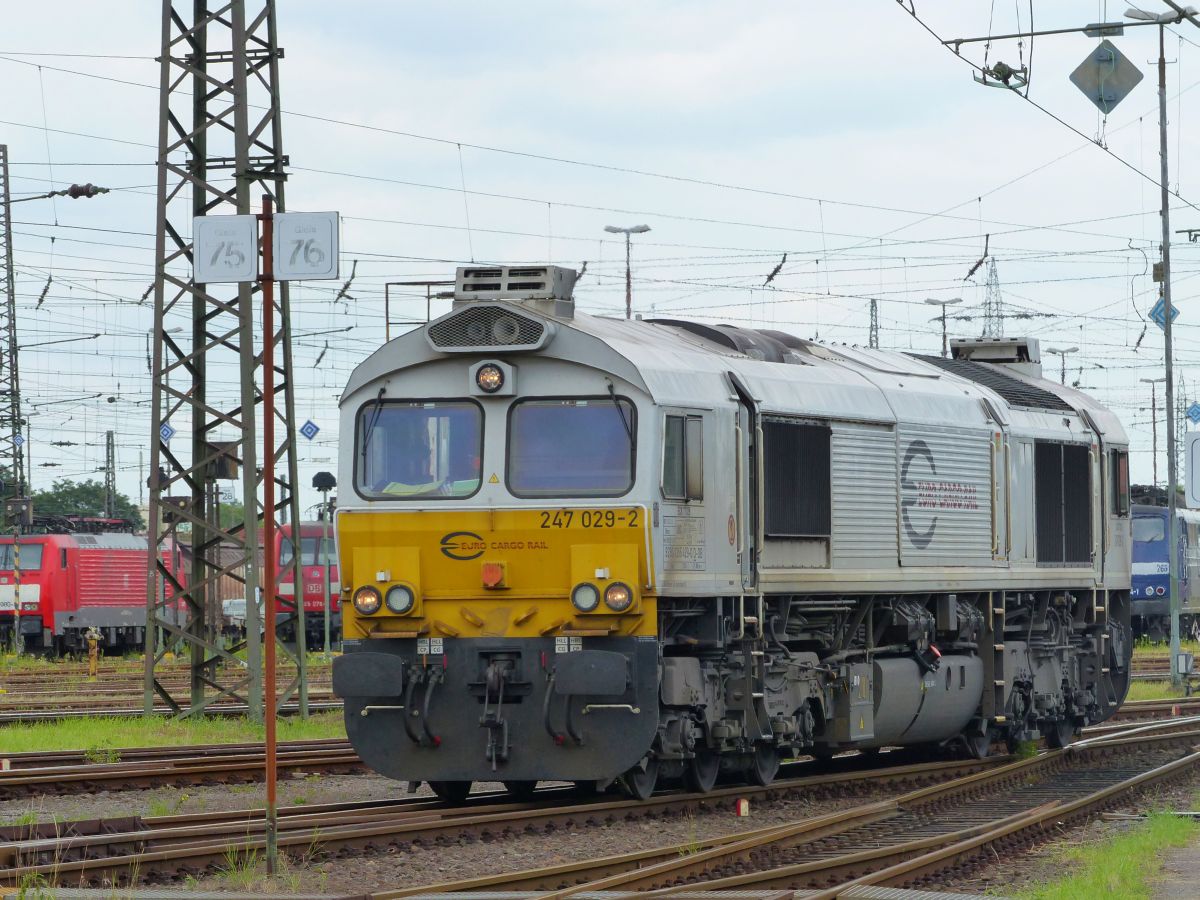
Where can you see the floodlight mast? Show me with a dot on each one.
(933, 301)
(635, 229)
(1062, 352)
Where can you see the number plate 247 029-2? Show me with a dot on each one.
(590, 518)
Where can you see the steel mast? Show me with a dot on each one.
(217, 66)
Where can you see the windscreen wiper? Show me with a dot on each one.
(612, 392)
(370, 430)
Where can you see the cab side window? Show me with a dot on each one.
(1119, 480)
(683, 458)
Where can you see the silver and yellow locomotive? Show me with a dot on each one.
(585, 549)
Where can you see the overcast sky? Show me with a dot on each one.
(841, 134)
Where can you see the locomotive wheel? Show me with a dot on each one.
(451, 791)
(979, 746)
(701, 772)
(763, 765)
(520, 790)
(1060, 734)
(640, 782)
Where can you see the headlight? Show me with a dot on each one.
(585, 597)
(367, 600)
(506, 330)
(399, 599)
(618, 597)
(490, 378)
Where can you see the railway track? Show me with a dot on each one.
(1151, 665)
(131, 708)
(115, 851)
(61, 691)
(139, 768)
(925, 835)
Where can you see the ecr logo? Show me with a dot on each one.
(920, 539)
(463, 545)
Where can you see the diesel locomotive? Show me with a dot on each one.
(586, 549)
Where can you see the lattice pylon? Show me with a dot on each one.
(215, 66)
(993, 304)
(12, 456)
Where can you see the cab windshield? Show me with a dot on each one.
(1149, 528)
(419, 450)
(31, 557)
(309, 549)
(571, 448)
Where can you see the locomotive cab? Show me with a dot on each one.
(497, 553)
(32, 570)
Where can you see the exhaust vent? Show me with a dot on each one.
(478, 327)
(514, 283)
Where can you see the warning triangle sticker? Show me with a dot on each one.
(493, 479)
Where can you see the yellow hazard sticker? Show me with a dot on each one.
(493, 479)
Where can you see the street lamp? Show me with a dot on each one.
(635, 229)
(1062, 352)
(1153, 424)
(325, 482)
(933, 301)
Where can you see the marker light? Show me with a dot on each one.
(490, 378)
(585, 597)
(618, 597)
(367, 600)
(399, 599)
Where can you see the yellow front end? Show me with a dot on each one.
(498, 573)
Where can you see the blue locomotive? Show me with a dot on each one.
(1150, 593)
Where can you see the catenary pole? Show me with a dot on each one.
(1169, 405)
(270, 559)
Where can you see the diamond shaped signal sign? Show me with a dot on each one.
(1106, 77)
(166, 432)
(309, 429)
(19, 440)
(1193, 413)
(1159, 314)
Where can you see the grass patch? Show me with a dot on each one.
(1122, 867)
(103, 736)
(1143, 648)
(1153, 690)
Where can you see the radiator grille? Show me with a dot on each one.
(1015, 391)
(796, 471)
(485, 326)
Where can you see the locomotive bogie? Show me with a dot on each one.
(578, 548)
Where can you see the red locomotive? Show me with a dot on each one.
(317, 562)
(91, 574)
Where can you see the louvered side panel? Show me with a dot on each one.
(863, 470)
(945, 496)
(111, 577)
